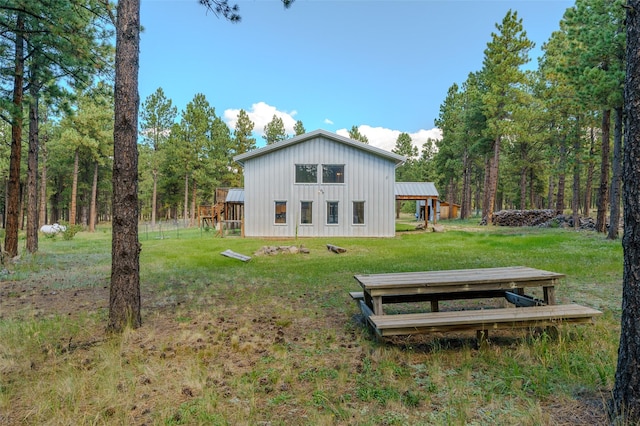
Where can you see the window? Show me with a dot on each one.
(358, 212)
(281, 212)
(306, 173)
(332, 212)
(305, 212)
(333, 173)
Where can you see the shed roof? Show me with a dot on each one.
(241, 158)
(416, 189)
(235, 195)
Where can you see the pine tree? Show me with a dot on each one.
(53, 42)
(243, 134)
(595, 28)
(299, 128)
(124, 299)
(355, 134)
(404, 146)
(626, 392)
(157, 116)
(507, 51)
(274, 131)
(124, 295)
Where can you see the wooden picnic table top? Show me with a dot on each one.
(459, 279)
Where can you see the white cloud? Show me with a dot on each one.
(261, 114)
(386, 138)
(327, 121)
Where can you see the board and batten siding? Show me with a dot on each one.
(271, 177)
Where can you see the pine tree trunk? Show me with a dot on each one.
(186, 200)
(485, 190)
(32, 173)
(13, 188)
(154, 198)
(124, 297)
(560, 196)
(626, 391)
(562, 166)
(42, 215)
(465, 207)
(493, 179)
(590, 173)
(603, 192)
(575, 198)
(74, 189)
(94, 196)
(21, 207)
(550, 189)
(523, 188)
(194, 197)
(616, 171)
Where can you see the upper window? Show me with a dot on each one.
(333, 173)
(281, 212)
(358, 212)
(306, 173)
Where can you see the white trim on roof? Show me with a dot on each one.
(241, 158)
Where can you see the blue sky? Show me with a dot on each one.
(384, 66)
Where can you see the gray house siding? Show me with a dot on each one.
(368, 178)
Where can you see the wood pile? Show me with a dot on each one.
(542, 218)
(566, 221)
(274, 250)
(523, 217)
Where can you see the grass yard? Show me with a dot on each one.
(277, 340)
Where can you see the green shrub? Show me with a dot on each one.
(70, 231)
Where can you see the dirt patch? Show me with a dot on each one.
(19, 300)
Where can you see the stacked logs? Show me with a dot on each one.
(523, 217)
(541, 218)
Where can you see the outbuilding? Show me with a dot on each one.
(319, 184)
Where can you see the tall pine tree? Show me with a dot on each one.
(502, 75)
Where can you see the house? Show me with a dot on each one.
(319, 184)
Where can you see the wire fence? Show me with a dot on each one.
(175, 228)
(163, 229)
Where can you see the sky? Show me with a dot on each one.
(382, 66)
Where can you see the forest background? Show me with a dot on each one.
(511, 138)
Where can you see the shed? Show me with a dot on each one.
(449, 210)
(424, 193)
(319, 184)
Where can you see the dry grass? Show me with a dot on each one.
(276, 341)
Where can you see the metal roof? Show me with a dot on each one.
(235, 195)
(417, 189)
(398, 159)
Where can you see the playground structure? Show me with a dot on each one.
(226, 214)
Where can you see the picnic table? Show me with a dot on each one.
(454, 284)
(433, 286)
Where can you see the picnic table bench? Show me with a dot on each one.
(434, 286)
